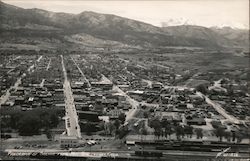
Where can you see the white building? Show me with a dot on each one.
(69, 142)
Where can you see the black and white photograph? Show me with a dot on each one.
(125, 80)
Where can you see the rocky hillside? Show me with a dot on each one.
(30, 25)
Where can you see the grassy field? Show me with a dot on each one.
(201, 61)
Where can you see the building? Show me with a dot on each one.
(157, 85)
(102, 85)
(114, 114)
(69, 142)
(88, 115)
(196, 121)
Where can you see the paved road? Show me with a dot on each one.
(6, 96)
(71, 119)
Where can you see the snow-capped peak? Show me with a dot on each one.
(177, 22)
(231, 25)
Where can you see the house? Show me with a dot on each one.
(102, 85)
(167, 118)
(79, 85)
(157, 85)
(135, 93)
(31, 99)
(182, 106)
(19, 100)
(82, 106)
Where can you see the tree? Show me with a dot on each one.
(239, 136)
(106, 128)
(117, 124)
(156, 125)
(188, 130)
(88, 128)
(54, 120)
(233, 136)
(230, 91)
(179, 130)
(227, 135)
(14, 119)
(199, 133)
(202, 88)
(220, 132)
(145, 114)
(168, 131)
(5, 122)
(143, 132)
(109, 127)
(48, 134)
(224, 81)
(122, 118)
(29, 125)
(122, 132)
(158, 132)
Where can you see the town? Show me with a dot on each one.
(119, 105)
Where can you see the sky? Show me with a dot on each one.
(208, 13)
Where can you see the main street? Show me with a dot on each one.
(71, 118)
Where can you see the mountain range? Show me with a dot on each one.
(36, 28)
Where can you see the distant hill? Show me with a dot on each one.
(238, 37)
(89, 29)
(201, 35)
